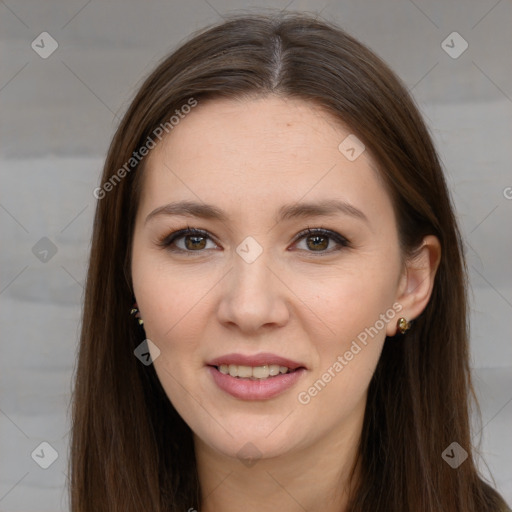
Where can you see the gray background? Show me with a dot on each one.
(59, 113)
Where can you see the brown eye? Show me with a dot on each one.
(194, 240)
(318, 240)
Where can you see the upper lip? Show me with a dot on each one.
(264, 358)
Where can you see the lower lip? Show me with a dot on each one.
(262, 389)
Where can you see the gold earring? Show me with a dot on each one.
(136, 313)
(403, 325)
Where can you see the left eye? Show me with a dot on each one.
(195, 240)
(320, 239)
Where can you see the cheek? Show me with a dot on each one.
(354, 311)
(348, 301)
(174, 308)
(176, 305)
(171, 303)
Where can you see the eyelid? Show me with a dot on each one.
(339, 239)
(168, 239)
(322, 231)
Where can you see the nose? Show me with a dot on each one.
(254, 296)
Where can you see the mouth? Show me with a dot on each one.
(255, 372)
(257, 366)
(257, 377)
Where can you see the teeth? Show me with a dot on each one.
(252, 372)
(242, 371)
(273, 369)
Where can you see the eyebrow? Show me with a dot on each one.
(286, 212)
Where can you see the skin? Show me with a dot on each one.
(249, 158)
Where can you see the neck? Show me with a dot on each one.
(318, 477)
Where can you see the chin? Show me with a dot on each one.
(249, 445)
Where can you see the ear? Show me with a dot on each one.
(417, 281)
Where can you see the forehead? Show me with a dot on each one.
(228, 126)
(264, 151)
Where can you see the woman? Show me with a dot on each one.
(274, 215)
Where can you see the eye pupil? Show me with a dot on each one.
(317, 244)
(195, 239)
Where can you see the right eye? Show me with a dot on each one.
(194, 240)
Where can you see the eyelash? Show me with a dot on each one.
(169, 239)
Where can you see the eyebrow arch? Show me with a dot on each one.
(323, 209)
(286, 212)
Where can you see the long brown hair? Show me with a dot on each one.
(130, 450)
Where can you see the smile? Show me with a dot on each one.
(255, 388)
(253, 372)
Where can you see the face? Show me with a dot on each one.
(253, 288)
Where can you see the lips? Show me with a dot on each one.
(262, 359)
(265, 384)
(255, 389)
